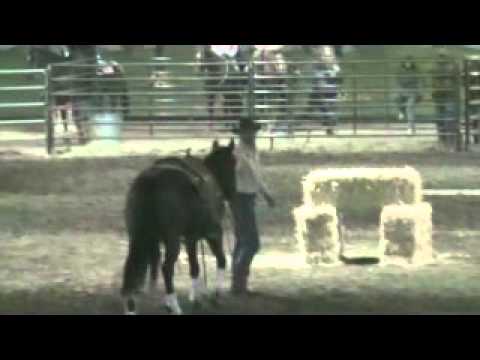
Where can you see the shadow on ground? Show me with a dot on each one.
(64, 301)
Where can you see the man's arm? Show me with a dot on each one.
(262, 185)
(245, 164)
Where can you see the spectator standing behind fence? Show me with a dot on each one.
(445, 95)
(244, 54)
(326, 84)
(474, 108)
(116, 90)
(409, 92)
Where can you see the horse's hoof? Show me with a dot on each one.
(216, 300)
(194, 297)
(219, 297)
(171, 303)
(197, 305)
(171, 311)
(221, 292)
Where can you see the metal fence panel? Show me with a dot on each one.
(297, 98)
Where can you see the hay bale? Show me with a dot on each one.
(406, 230)
(366, 188)
(317, 233)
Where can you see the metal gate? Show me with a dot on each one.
(302, 99)
(24, 104)
(472, 101)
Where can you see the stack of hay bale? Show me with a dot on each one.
(405, 220)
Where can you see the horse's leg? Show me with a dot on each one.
(134, 275)
(154, 266)
(168, 270)
(197, 288)
(130, 305)
(216, 246)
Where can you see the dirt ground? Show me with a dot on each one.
(62, 244)
(80, 273)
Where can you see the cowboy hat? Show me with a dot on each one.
(246, 126)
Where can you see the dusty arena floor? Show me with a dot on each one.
(72, 273)
(62, 244)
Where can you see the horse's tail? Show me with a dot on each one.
(135, 270)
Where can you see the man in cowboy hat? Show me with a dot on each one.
(249, 185)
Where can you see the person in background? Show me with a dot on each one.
(474, 108)
(324, 98)
(159, 50)
(445, 95)
(409, 84)
(244, 54)
(249, 184)
(116, 92)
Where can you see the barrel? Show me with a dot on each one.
(107, 126)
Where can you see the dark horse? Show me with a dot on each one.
(177, 199)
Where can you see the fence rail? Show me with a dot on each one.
(451, 192)
(23, 100)
(350, 99)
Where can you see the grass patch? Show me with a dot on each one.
(64, 194)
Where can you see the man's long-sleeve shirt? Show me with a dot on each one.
(248, 172)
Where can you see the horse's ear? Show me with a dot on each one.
(215, 145)
(231, 146)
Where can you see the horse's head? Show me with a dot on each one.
(221, 162)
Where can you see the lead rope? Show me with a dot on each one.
(230, 225)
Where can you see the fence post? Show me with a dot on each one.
(355, 99)
(466, 70)
(387, 93)
(251, 90)
(458, 115)
(49, 128)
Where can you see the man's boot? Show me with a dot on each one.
(239, 284)
(240, 287)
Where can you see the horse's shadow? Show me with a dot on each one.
(65, 300)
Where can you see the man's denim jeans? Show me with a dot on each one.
(247, 242)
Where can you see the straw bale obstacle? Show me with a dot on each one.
(405, 220)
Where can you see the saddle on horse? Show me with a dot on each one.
(202, 180)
